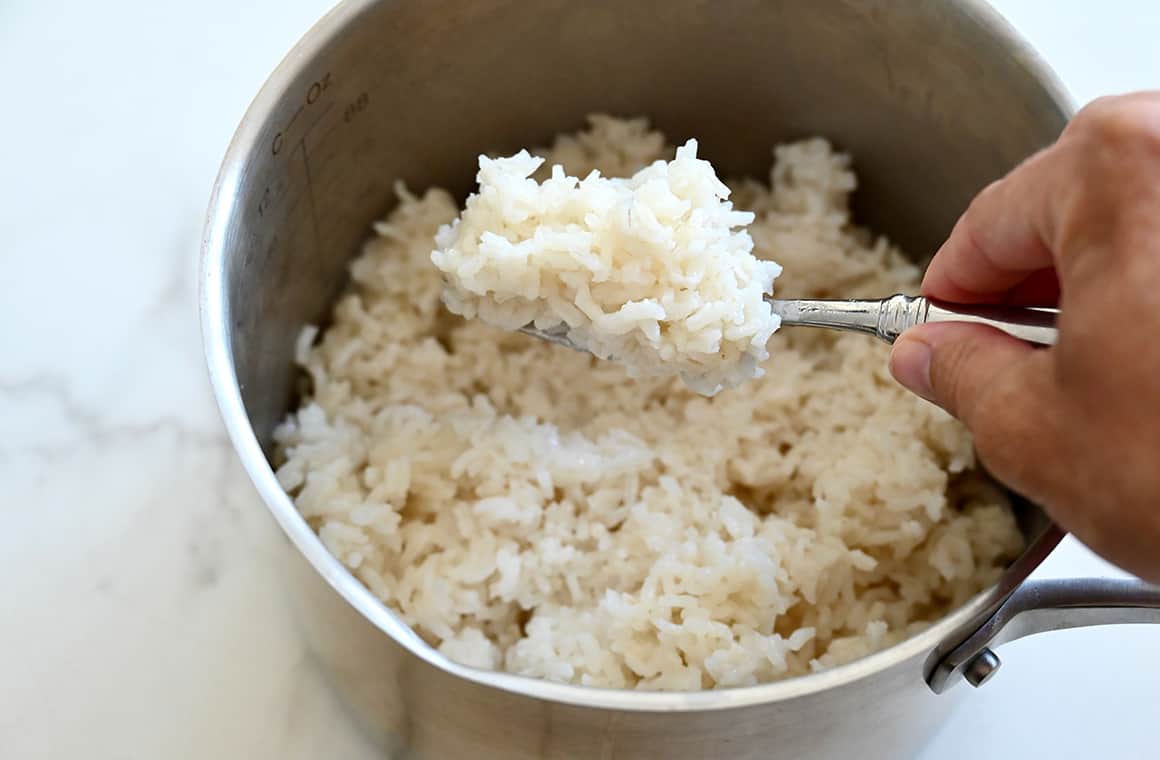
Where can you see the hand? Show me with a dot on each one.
(1076, 427)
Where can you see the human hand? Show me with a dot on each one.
(1075, 427)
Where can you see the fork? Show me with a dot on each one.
(885, 318)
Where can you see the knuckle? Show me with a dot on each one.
(974, 222)
(979, 202)
(974, 225)
(1122, 122)
(1095, 109)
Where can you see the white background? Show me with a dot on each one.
(139, 617)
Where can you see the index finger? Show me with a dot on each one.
(997, 251)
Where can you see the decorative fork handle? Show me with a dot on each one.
(890, 317)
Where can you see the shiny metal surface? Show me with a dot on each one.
(981, 668)
(884, 318)
(887, 318)
(1032, 325)
(934, 99)
(557, 334)
(1038, 606)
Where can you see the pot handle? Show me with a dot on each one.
(1044, 605)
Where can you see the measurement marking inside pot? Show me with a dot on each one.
(310, 195)
(351, 112)
(313, 93)
(333, 128)
(321, 116)
(269, 196)
(294, 116)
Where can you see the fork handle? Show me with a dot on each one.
(888, 318)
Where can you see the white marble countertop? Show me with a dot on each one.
(140, 619)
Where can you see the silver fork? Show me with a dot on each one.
(885, 318)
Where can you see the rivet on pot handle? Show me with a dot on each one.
(1045, 605)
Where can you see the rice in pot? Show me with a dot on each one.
(533, 509)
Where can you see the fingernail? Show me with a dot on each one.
(910, 365)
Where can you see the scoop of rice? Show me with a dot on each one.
(529, 508)
(655, 271)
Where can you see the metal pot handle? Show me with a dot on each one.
(1045, 605)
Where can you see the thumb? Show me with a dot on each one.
(1006, 393)
(960, 367)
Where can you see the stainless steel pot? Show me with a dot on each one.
(934, 99)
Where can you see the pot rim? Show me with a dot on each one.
(217, 348)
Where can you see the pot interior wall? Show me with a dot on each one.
(929, 103)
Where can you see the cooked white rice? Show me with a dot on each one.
(530, 508)
(655, 271)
